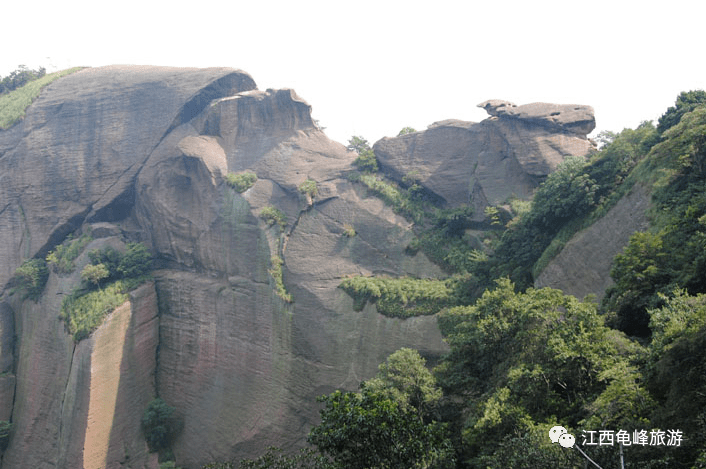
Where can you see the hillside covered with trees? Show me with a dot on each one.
(630, 369)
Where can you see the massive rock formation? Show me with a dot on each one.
(140, 154)
(486, 163)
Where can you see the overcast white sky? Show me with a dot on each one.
(372, 67)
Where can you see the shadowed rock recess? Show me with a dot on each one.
(137, 153)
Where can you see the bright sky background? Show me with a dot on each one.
(372, 67)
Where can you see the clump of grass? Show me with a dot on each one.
(14, 104)
(241, 181)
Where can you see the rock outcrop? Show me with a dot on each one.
(486, 163)
(140, 154)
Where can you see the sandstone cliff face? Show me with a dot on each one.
(486, 163)
(140, 154)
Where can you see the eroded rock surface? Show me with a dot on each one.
(140, 154)
(486, 163)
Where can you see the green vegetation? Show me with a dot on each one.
(523, 360)
(160, 425)
(309, 187)
(20, 77)
(274, 458)
(31, 277)
(276, 273)
(405, 131)
(366, 161)
(95, 273)
(389, 423)
(62, 257)
(114, 274)
(5, 433)
(14, 103)
(273, 216)
(400, 297)
(348, 230)
(84, 312)
(241, 181)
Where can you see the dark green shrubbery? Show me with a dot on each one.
(160, 425)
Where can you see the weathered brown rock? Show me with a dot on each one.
(242, 366)
(503, 156)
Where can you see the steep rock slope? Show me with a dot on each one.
(583, 265)
(140, 153)
(485, 163)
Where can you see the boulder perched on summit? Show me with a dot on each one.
(486, 163)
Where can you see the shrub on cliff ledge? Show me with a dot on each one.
(241, 181)
(31, 277)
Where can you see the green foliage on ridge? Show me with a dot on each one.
(14, 103)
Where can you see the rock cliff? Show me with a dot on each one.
(486, 163)
(141, 154)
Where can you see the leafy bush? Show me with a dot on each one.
(367, 162)
(406, 131)
(135, 262)
(241, 181)
(94, 273)
(273, 216)
(160, 425)
(276, 272)
(31, 277)
(686, 102)
(309, 187)
(62, 257)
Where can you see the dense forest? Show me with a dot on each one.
(626, 376)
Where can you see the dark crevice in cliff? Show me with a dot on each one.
(60, 233)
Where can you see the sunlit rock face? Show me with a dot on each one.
(486, 163)
(140, 154)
